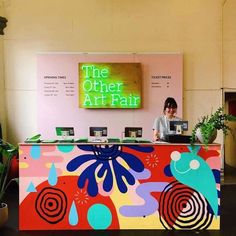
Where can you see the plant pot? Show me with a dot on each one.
(3, 213)
(211, 139)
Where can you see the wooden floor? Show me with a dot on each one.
(228, 217)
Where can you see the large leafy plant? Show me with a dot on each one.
(8, 152)
(209, 123)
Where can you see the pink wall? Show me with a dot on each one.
(162, 77)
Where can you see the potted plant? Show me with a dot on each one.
(7, 153)
(205, 130)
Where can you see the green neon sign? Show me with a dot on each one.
(110, 85)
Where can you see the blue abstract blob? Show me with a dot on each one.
(120, 172)
(89, 174)
(140, 148)
(78, 161)
(85, 147)
(104, 157)
(216, 174)
(167, 171)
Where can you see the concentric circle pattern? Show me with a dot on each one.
(51, 205)
(182, 207)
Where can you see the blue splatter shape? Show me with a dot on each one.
(105, 156)
(167, 171)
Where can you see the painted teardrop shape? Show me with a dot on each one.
(52, 177)
(73, 215)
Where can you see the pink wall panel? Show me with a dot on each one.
(162, 77)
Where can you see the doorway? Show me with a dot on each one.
(230, 140)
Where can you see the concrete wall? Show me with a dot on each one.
(193, 27)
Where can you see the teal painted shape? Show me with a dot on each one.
(52, 177)
(99, 216)
(194, 149)
(200, 179)
(73, 215)
(35, 152)
(65, 148)
(31, 188)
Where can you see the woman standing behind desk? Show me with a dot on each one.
(161, 123)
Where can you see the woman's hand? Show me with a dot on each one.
(156, 135)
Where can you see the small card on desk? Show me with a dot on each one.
(129, 140)
(113, 140)
(66, 141)
(49, 141)
(34, 139)
(81, 140)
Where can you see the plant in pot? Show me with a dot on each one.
(7, 153)
(205, 130)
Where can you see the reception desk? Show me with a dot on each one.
(119, 186)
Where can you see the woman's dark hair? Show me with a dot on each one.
(170, 103)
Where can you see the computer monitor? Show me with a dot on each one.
(65, 131)
(98, 131)
(178, 126)
(133, 132)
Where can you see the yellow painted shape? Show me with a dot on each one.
(23, 165)
(149, 222)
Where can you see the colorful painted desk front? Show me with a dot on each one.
(93, 186)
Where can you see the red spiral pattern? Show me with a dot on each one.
(51, 205)
(181, 207)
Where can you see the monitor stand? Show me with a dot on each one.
(178, 129)
(97, 138)
(132, 134)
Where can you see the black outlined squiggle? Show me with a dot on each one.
(51, 205)
(182, 207)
